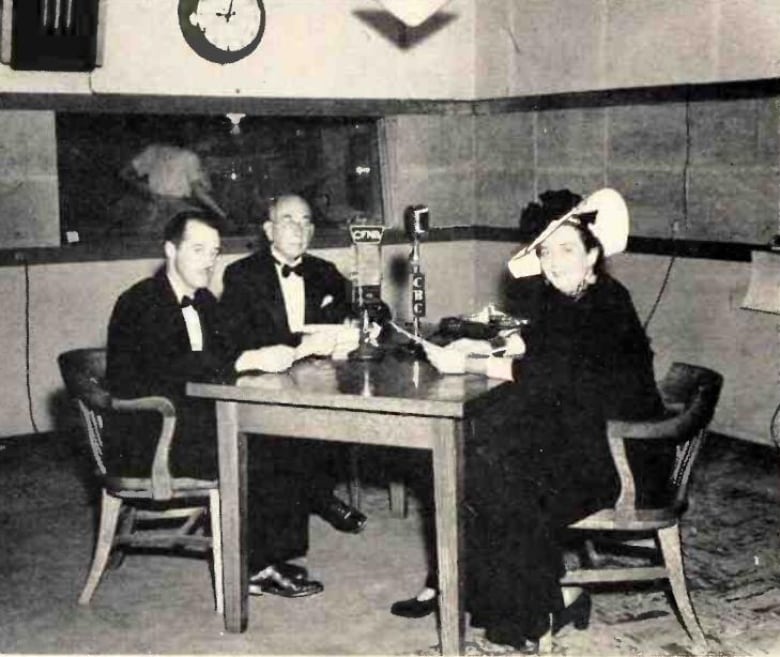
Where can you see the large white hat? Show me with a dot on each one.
(610, 228)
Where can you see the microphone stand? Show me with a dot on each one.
(365, 350)
(367, 239)
(414, 262)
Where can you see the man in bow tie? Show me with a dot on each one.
(166, 330)
(268, 298)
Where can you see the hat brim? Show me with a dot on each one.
(610, 228)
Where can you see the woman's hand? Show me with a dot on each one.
(446, 360)
(515, 345)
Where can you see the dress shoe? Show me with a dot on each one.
(271, 581)
(414, 608)
(341, 515)
(292, 571)
(577, 613)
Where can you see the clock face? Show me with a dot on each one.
(222, 31)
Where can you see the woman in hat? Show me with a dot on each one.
(583, 358)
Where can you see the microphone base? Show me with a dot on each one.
(366, 352)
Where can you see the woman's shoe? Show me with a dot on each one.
(577, 613)
(414, 608)
(507, 635)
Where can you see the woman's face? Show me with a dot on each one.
(565, 262)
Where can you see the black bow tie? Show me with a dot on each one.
(186, 301)
(287, 270)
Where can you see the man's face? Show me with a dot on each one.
(290, 229)
(192, 261)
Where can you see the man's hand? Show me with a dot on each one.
(347, 339)
(471, 346)
(447, 360)
(319, 343)
(277, 358)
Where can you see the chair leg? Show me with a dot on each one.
(109, 517)
(398, 499)
(546, 641)
(353, 484)
(669, 539)
(216, 549)
(125, 527)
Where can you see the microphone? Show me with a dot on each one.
(368, 264)
(416, 223)
(416, 220)
(366, 283)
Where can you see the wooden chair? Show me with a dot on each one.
(127, 504)
(691, 394)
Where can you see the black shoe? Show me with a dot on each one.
(505, 634)
(292, 571)
(274, 583)
(341, 515)
(577, 613)
(414, 608)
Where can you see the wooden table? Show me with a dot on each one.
(398, 402)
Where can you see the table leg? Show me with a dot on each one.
(232, 488)
(447, 480)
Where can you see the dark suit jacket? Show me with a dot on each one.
(149, 353)
(253, 306)
(148, 348)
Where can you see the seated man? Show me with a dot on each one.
(165, 331)
(268, 298)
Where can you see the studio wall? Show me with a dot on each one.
(533, 47)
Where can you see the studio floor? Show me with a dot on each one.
(164, 605)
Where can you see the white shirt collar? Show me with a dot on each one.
(280, 259)
(178, 288)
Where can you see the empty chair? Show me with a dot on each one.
(128, 504)
(691, 394)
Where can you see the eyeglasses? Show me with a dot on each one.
(288, 223)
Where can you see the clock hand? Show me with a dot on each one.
(229, 13)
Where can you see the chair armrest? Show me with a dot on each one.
(618, 432)
(671, 427)
(162, 487)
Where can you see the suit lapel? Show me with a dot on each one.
(169, 308)
(273, 299)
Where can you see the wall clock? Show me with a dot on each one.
(222, 31)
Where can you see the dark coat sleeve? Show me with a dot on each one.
(627, 386)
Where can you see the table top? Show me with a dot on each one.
(396, 384)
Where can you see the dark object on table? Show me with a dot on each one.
(457, 327)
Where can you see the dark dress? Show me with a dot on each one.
(548, 463)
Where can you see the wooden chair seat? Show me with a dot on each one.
(141, 487)
(159, 511)
(640, 520)
(690, 394)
